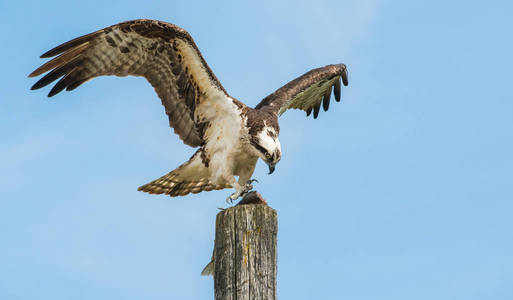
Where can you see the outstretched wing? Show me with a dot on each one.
(163, 53)
(307, 91)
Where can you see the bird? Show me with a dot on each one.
(230, 136)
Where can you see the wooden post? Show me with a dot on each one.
(244, 259)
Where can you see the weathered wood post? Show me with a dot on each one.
(244, 259)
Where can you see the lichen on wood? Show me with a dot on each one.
(244, 259)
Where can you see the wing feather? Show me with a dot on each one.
(336, 90)
(326, 99)
(163, 53)
(307, 92)
(71, 44)
(317, 107)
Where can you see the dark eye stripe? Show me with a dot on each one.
(260, 148)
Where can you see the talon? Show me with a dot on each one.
(230, 200)
(233, 197)
(252, 180)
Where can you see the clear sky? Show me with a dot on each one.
(401, 191)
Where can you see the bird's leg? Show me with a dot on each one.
(248, 186)
(240, 191)
(244, 184)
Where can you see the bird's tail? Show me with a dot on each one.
(191, 177)
(172, 185)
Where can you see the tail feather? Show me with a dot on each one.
(171, 184)
(190, 177)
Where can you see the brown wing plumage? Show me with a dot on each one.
(163, 53)
(307, 92)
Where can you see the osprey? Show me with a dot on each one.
(230, 135)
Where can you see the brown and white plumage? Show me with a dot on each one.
(307, 91)
(190, 177)
(231, 135)
(161, 52)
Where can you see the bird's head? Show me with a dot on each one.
(267, 146)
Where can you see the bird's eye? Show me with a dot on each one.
(267, 155)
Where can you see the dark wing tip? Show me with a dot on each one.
(76, 84)
(326, 99)
(336, 90)
(71, 44)
(63, 83)
(344, 75)
(52, 93)
(316, 109)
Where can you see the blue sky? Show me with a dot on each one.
(402, 191)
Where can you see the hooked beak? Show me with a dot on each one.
(271, 168)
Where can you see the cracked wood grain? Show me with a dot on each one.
(244, 265)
